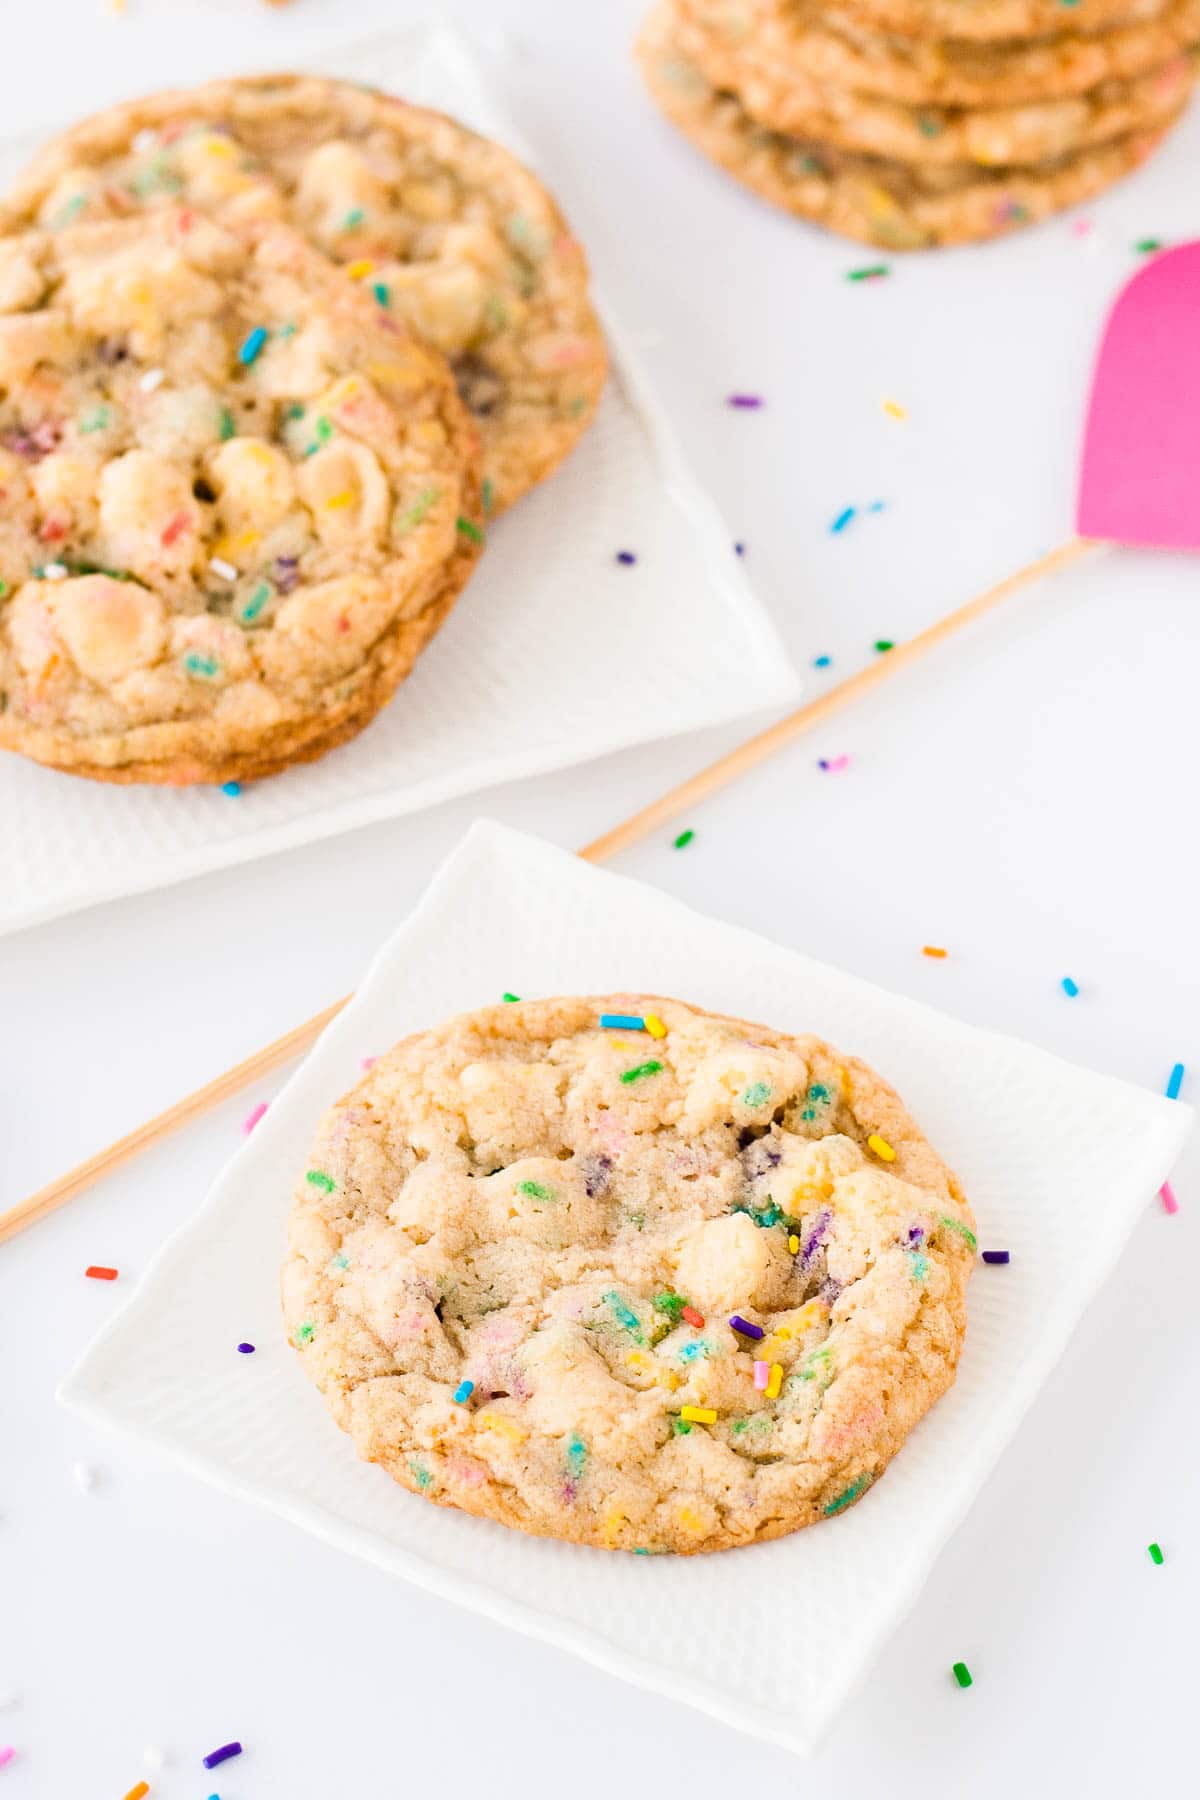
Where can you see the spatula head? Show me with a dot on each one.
(1140, 479)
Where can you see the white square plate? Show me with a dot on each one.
(555, 653)
(1057, 1162)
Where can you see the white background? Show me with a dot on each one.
(1026, 799)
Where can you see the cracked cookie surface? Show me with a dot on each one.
(515, 1256)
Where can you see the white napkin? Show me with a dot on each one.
(1057, 1162)
(554, 654)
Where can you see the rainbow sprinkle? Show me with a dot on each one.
(962, 1675)
(642, 1070)
(822, 662)
(463, 1392)
(510, 999)
(684, 839)
(848, 1497)
(252, 345)
(843, 519)
(1175, 1082)
(996, 1256)
(698, 1415)
(874, 272)
(1070, 988)
(7, 1752)
(883, 645)
(655, 1026)
(222, 1755)
(894, 410)
(317, 1178)
(794, 1244)
(626, 558)
(691, 1317)
(138, 1791)
(533, 1190)
(746, 1328)
(744, 402)
(251, 1119)
(833, 765)
(881, 1147)
(99, 1273)
(245, 1349)
(775, 1381)
(622, 1022)
(1166, 1194)
(932, 950)
(1154, 1551)
(962, 1230)
(469, 529)
(762, 1374)
(232, 788)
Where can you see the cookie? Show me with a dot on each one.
(827, 44)
(627, 1273)
(992, 21)
(1001, 137)
(896, 205)
(446, 230)
(236, 500)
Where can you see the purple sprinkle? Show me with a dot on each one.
(245, 1349)
(915, 1233)
(737, 1323)
(222, 1755)
(745, 401)
(626, 556)
(595, 1170)
(829, 1290)
(824, 1220)
(995, 1256)
(569, 1491)
(287, 573)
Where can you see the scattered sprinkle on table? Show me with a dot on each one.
(744, 402)
(1166, 1194)
(881, 1147)
(883, 645)
(251, 1119)
(894, 410)
(510, 999)
(252, 345)
(139, 1791)
(746, 1327)
(739, 549)
(932, 950)
(1155, 1552)
(833, 765)
(232, 788)
(98, 1272)
(698, 1415)
(843, 519)
(962, 1675)
(996, 1256)
(7, 1752)
(822, 662)
(463, 1392)
(245, 1349)
(222, 1755)
(694, 1318)
(622, 1022)
(1147, 246)
(873, 272)
(1175, 1082)
(684, 839)
(626, 557)
(1070, 988)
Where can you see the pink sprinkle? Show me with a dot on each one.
(745, 402)
(1167, 1196)
(1081, 227)
(6, 1755)
(368, 1062)
(762, 1373)
(249, 1123)
(834, 765)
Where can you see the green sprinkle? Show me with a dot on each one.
(254, 605)
(669, 1303)
(420, 1474)
(622, 1311)
(287, 331)
(848, 1498)
(488, 495)
(340, 1261)
(963, 1231)
(883, 645)
(96, 420)
(757, 1094)
(71, 210)
(3, 589)
(469, 529)
(534, 1190)
(203, 666)
(295, 411)
(920, 1265)
(1147, 246)
(576, 1455)
(682, 1427)
(928, 127)
(646, 1068)
(417, 511)
(511, 998)
(354, 217)
(318, 1179)
(324, 429)
(818, 1091)
(382, 293)
(304, 1334)
(737, 1426)
(1155, 1552)
(227, 426)
(684, 839)
(962, 1675)
(875, 272)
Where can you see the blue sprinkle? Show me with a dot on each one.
(877, 506)
(232, 788)
(245, 1349)
(626, 556)
(1069, 987)
(253, 345)
(622, 1022)
(842, 520)
(822, 662)
(996, 1256)
(739, 549)
(463, 1392)
(1176, 1082)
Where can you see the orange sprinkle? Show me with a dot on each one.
(932, 950)
(139, 1792)
(98, 1273)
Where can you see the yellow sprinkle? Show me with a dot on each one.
(655, 1026)
(774, 1381)
(691, 1521)
(793, 1243)
(345, 498)
(894, 410)
(881, 1147)
(358, 271)
(220, 147)
(637, 1359)
(698, 1415)
(932, 950)
(507, 1428)
(670, 1379)
(613, 1521)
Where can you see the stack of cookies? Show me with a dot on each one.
(272, 352)
(907, 123)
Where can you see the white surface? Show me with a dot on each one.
(1027, 799)
(565, 654)
(1058, 1162)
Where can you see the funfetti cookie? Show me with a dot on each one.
(627, 1273)
(785, 100)
(235, 500)
(899, 206)
(442, 229)
(815, 42)
(992, 21)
